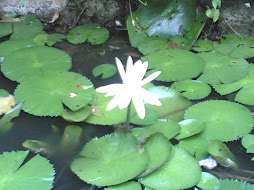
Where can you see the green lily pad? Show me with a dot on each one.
(45, 96)
(225, 120)
(10, 46)
(173, 64)
(203, 46)
(35, 61)
(245, 87)
(14, 175)
(209, 181)
(196, 145)
(226, 184)
(141, 132)
(4, 93)
(171, 174)
(222, 69)
(166, 127)
(93, 33)
(103, 117)
(77, 116)
(236, 46)
(152, 44)
(110, 160)
(167, 18)
(221, 153)
(248, 143)
(56, 37)
(192, 89)
(135, 32)
(159, 150)
(5, 29)
(190, 127)
(130, 185)
(106, 70)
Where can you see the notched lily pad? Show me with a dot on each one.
(174, 64)
(222, 69)
(110, 160)
(93, 33)
(35, 61)
(225, 120)
(236, 46)
(192, 89)
(45, 96)
(106, 70)
(226, 184)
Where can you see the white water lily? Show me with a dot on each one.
(131, 89)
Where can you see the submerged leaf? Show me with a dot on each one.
(110, 160)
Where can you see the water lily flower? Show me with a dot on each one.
(131, 89)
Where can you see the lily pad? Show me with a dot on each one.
(222, 69)
(236, 46)
(106, 70)
(5, 29)
(192, 89)
(110, 160)
(190, 127)
(233, 184)
(245, 87)
(167, 18)
(77, 116)
(225, 120)
(4, 93)
(152, 44)
(174, 64)
(14, 175)
(35, 61)
(171, 174)
(45, 95)
(248, 143)
(166, 127)
(203, 46)
(209, 181)
(126, 186)
(93, 33)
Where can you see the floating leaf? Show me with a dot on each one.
(166, 127)
(235, 45)
(171, 174)
(190, 127)
(203, 45)
(209, 181)
(45, 95)
(152, 44)
(110, 160)
(225, 120)
(245, 87)
(5, 29)
(35, 61)
(93, 33)
(4, 93)
(248, 143)
(174, 64)
(222, 69)
(141, 132)
(196, 145)
(14, 175)
(167, 18)
(106, 70)
(233, 184)
(56, 37)
(192, 89)
(77, 116)
(126, 186)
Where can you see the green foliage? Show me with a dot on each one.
(106, 70)
(235, 185)
(248, 143)
(77, 116)
(214, 13)
(126, 186)
(203, 46)
(208, 181)
(14, 175)
(5, 29)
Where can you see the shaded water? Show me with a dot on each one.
(84, 58)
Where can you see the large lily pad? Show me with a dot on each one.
(174, 64)
(235, 45)
(45, 95)
(225, 120)
(167, 18)
(152, 44)
(245, 87)
(126, 186)
(110, 160)
(235, 185)
(222, 69)
(170, 175)
(209, 181)
(203, 46)
(93, 33)
(5, 29)
(14, 175)
(35, 61)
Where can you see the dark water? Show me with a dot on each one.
(84, 58)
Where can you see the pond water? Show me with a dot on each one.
(50, 129)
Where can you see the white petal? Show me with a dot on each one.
(109, 88)
(120, 69)
(139, 106)
(112, 104)
(150, 78)
(141, 70)
(129, 68)
(124, 102)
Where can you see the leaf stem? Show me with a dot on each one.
(127, 126)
